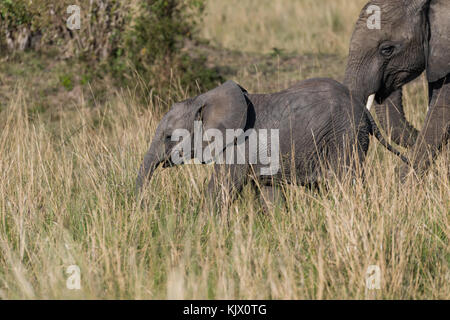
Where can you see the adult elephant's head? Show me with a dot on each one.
(223, 108)
(409, 38)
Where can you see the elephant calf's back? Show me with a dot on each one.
(315, 122)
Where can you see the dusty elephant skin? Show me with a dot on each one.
(414, 36)
(320, 130)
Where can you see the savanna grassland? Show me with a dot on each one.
(67, 177)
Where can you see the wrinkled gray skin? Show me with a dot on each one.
(315, 118)
(414, 36)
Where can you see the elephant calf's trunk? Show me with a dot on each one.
(145, 172)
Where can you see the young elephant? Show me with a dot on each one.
(314, 129)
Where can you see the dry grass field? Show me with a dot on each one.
(67, 181)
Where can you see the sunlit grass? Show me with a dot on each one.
(303, 26)
(68, 199)
(66, 196)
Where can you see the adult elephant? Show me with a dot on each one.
(414, 36)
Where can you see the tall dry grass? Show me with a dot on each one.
(303, 26)
(66, 198)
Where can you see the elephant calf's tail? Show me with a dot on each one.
(377, 133)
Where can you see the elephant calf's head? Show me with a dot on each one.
(222, 108)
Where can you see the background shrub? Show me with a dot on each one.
(153, 45)
(129, 39)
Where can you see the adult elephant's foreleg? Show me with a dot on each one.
(393, 121)
(436, 131)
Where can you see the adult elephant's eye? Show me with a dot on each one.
(387, 51)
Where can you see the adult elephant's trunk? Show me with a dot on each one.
(363, 84)
(360, 87)
(393, 121)
(376, 132)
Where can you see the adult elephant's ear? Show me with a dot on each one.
(224, 107)
(439, 45)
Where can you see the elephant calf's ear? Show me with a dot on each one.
(224, 107)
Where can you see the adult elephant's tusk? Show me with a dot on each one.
(370, 102)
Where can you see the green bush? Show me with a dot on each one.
(136, 39)
(153, 45)
(40, 24)
(15, 13)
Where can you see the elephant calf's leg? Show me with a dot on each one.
(436, 131)
(270, 197)
(225, 183)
